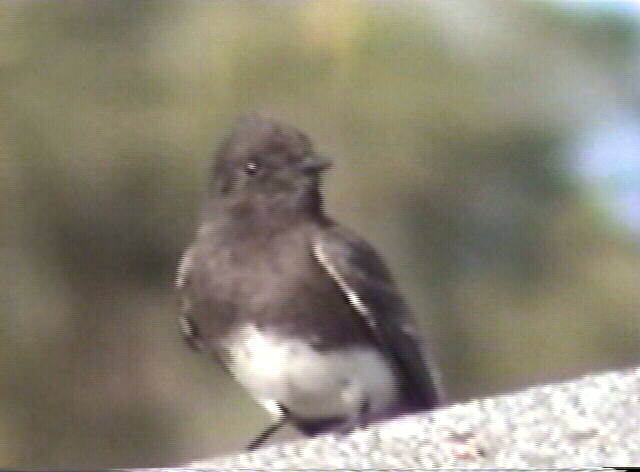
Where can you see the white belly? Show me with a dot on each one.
(311, 384)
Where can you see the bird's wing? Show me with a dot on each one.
(367, 285)
(188, 327)
(195, 313)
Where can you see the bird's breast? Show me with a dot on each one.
(308, 382)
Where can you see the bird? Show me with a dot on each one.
(297, 308)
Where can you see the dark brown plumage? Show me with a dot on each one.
(300, 310)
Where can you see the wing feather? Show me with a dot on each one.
(367, 285)
(188, 327)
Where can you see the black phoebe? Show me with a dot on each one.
(300, 310)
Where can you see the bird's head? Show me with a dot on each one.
(267, 163)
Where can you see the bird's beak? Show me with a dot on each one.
(314, 163)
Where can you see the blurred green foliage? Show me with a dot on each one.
(448, 121)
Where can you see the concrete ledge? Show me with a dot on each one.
(591, 422)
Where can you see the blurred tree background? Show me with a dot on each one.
(463, 135)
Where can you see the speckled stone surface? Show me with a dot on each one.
(590, 422)
(591, 469)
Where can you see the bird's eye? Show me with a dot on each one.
(251, 167)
